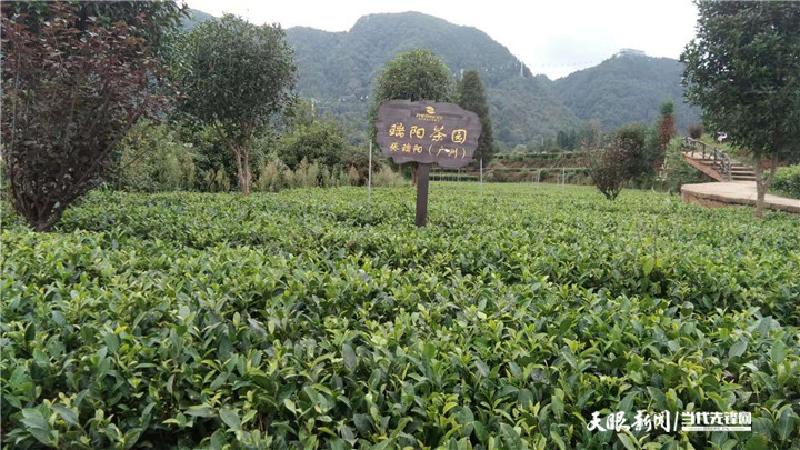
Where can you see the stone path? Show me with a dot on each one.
(734, 193)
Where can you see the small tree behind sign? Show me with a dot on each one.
(427, 132)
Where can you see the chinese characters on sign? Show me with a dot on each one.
(427, 132)
(672, 421)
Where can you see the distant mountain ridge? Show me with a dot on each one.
(628, 87)
(337, 70)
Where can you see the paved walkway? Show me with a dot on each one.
(734, 193)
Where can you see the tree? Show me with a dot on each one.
(234, 76)
(742, 69)
(414, 75)
(666, 125)
(472, 97)
(71, 91)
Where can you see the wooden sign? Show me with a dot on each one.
(427, 132)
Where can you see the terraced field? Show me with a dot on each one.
(312, 319)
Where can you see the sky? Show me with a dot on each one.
(554, 37)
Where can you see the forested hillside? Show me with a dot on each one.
(336, 70)
(626, 88)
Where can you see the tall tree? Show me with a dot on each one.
(472, 97)
(414, 75)
(743, 70)
(72, 87)
(235, 75)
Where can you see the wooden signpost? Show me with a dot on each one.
(427, 132)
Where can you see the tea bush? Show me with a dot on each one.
(312, 319)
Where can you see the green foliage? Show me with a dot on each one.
(787, 181)
(216, 180)
(414, 75)
(152, 158)
(626, 89)
(235, 73)
(320, 140)
(269, 176)
(667, 108)
(676, 171)
(666, 125)
(743, 70)
(640, 148)
(307, 319)
(234, 76)
(472, 97)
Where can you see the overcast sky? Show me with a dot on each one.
(554, 37)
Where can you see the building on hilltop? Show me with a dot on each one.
(630, 52)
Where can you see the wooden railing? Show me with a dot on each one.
(720, 160)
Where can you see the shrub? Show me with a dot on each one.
(353, 177)
(787, 181)
(217, 180)
(325, 179)
(640, 151)
(386, 177)
(609, 171)
(269, 176)
(307, 175)
(321, 141)
(152, 158)
(676, 171)
(188, 320)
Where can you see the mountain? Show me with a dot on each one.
(195, 18)
(628, 87)
(336, 70)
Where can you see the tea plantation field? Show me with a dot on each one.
(310, 319)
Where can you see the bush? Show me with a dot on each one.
(640, 148)
(676, 171)
(188, 320)
(353, 177)
(321, 141)
(152, 158)
(269, 176)
(787, 181)
(216, 180)
(387, 177)
(307, 175)
(609, 171)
